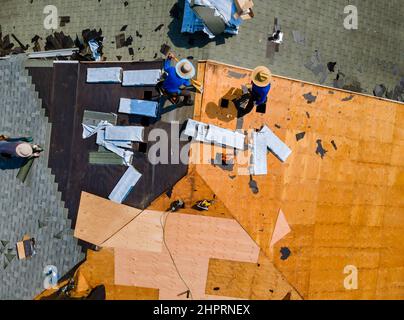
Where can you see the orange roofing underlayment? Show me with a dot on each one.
(326, 210)
(343, 209)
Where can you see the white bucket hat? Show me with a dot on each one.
(24, 150)
(185, 69)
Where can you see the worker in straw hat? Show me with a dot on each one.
(19, 149)
(261, 84)
(178, 78)
(256, 94)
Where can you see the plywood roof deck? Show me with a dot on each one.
(345, 209)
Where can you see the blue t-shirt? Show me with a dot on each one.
(173, 82)
(261, 93)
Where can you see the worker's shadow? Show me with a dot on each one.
(226, 111)
(11, 163)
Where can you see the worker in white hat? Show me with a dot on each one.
(178, 78)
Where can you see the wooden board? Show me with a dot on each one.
(191, 240)
(143, 233)
(343, 209)
(249, 281)
(99, 219)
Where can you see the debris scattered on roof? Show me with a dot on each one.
(159, 27)
(212, 17)
(310, 98)
(334, 145)
(212, 134)
(300, 136)
(320, 150)
(331, 66)
(253, 185)
(285, 253)
(64, 20)
(380, 90)
(348, 98)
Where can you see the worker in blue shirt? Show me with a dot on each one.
(261, 84)
(257, 92)
(178, 78)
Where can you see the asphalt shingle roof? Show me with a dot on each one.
(33, 208)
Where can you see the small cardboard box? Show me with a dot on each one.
(243, 5)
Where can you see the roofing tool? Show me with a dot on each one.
(166, 50)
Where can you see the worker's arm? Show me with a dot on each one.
(167, 64)
(188, 83)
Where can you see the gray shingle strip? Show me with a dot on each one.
(23, 205)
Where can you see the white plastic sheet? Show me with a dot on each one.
(104, 75)
(125, 185)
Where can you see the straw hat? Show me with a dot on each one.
(185, 69)
(24, 150)
(261, 76)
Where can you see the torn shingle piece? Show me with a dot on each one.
(141, 77)
(139, 107)
(126, 133)
(125, 185)
(300, 136)
(104, 75)
(276, 145)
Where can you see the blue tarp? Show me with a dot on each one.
(226, 9)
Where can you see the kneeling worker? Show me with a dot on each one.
(19, 149)
(178, 78)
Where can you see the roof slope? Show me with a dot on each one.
(344, 209)
(35, 207)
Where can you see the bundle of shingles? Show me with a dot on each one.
(215, 17)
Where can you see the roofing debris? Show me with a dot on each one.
(320, 150)
(125, 185)
(203, 132)
(285, 253)
(215, 17)
(310, 98)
